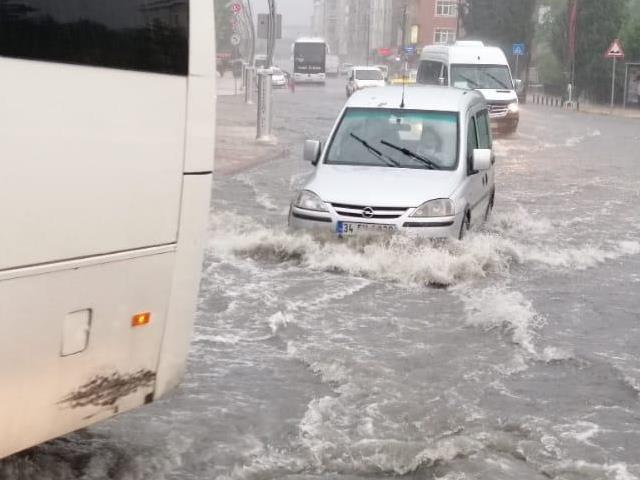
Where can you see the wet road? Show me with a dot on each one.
(511, 355)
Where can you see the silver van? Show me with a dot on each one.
(417, 160)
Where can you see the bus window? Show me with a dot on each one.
(130, 35)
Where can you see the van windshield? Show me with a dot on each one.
(493, 77)
(396, 138)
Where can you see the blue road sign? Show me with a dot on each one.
(410, 50)
(518, 49)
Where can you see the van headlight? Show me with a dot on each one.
(308, 200)
(435, 208)
(514, 107)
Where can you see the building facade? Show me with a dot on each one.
(436, 22)
(359, 30)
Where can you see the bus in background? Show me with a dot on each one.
(106, 148)
(333, 66)
(309, 60)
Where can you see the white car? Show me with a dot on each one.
(419, 162)
(364, 77)
(278, 78)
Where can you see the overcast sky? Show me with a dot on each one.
(294, 12)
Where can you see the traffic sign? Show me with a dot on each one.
(410, 49)
(235, 40)
(236, 8)
(518, 49)
(615, 50)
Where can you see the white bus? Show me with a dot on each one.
(107, 117)
(309, 60)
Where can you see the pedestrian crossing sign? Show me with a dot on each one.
(518, 49)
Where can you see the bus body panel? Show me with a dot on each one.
(105, 198)
(182, 308)
(202, 39)
(45, 394)
(92, 171)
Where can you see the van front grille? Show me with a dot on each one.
(377, 213)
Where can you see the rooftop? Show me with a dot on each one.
(422, 97)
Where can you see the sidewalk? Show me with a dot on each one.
(236, 147)
(596, 109)
(228, 86)
(606, 110)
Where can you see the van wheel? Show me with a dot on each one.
(464, 228)
(487, 214)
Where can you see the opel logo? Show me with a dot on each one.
(368, 212)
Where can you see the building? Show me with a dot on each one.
(436, 22)
(359, 30)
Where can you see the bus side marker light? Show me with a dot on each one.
(141, 319)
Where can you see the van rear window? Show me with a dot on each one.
(144, 35)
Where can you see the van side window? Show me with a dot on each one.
(138, 35)
(484, 130)
(429, 72)
(472, 144)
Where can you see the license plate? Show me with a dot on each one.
(345, 229)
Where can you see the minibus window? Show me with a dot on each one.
(429, 72)
(126, 34)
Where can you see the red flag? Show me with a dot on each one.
(573, 27)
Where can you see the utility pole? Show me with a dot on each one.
(368, 33)
(250, 71)
(252, 32)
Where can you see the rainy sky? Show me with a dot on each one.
(295, 12)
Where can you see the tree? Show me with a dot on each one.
(631, 32)
(598, 24)
(501, 22)
(224, 29)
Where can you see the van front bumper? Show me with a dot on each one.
(327, 223)
(506, 123)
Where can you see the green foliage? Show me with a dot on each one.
(631, 32)
(598, 24)
(500, 22)
(224, 29)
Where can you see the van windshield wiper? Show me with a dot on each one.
(388, 161)
(426, 161)
(469, 81)
(497, 80)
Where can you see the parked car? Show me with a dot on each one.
(385, 71)
(394, 163)
(345, 68)
(364, 77)
(278, 79)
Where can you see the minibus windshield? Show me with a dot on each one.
(494, 77)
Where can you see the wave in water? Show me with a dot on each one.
(412, 261)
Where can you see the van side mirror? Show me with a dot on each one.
(312, 150)
(481, 159)
(518, 85)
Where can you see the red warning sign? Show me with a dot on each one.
(615, 50)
